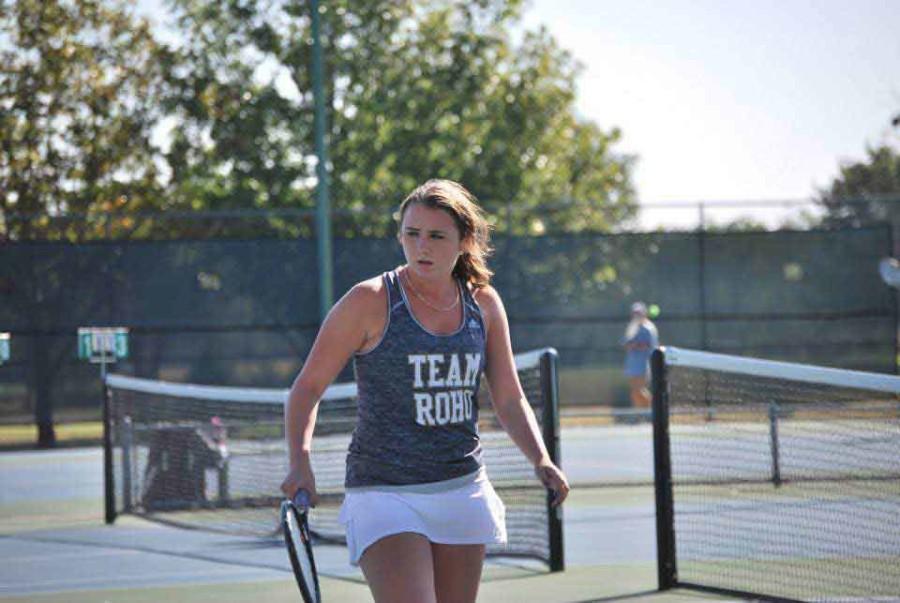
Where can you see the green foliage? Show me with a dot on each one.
(416, 90)
(237, 142)
(79, 94)
(865, 192)
(99, 118)
(739, 224)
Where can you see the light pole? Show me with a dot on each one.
(323, 203)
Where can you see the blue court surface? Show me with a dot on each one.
(54, 545)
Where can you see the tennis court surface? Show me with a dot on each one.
(755, 477)
(55, 546)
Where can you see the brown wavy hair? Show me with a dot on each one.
(474, 229)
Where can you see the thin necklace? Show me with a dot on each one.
(428, 303)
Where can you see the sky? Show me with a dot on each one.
(730, 100)
(734, 99)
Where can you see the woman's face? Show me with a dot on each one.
(431, 241)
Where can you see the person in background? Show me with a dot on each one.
(640, 339)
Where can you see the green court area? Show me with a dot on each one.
(20, 436)
(818, 576)
(25, 516)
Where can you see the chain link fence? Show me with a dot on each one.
(237, 303)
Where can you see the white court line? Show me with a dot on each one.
(106, 581)
(52, 557)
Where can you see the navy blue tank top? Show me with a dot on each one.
(417, 419)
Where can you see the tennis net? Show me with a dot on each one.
(776, 480)
(213, 458)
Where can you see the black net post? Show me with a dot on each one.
(773, 443)
(667, 573)
(223, 482)
(895, 301)
(550, 399)
(127, 442)
(701, 282)
(108, 477)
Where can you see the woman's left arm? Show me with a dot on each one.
(510, 404)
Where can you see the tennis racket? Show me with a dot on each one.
(299, 546)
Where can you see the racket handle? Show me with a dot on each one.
(301, 499)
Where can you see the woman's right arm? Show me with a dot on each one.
(345, 330)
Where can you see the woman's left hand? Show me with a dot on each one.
(554, 479)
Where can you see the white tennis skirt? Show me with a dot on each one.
(463, 510)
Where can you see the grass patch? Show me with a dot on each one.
(21, 435)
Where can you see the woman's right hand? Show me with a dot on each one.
(553, 479)
(300, 477)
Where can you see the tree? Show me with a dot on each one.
(415, 89)
(739, 224)
(865, 192)
(239, 142)
(80, 96)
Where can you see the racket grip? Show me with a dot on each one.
(301, 499)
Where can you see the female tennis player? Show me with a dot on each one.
(419, 507)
